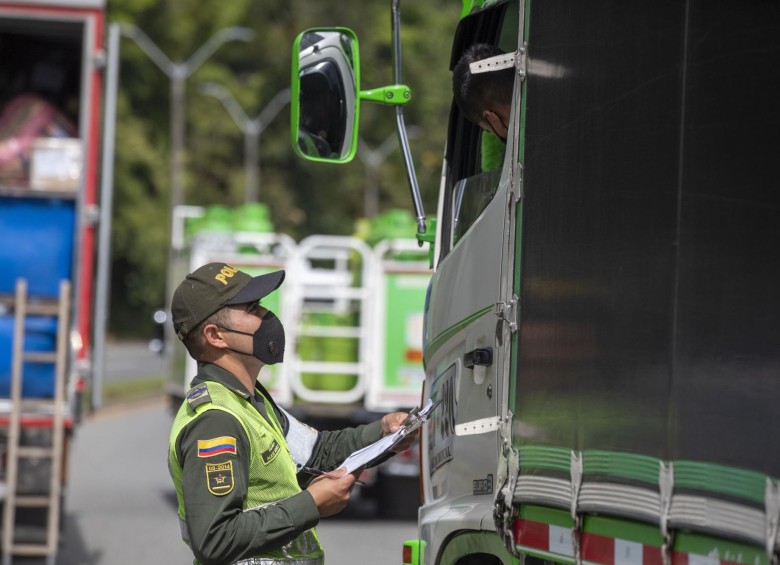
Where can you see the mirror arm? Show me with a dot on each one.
(396, 95)
(412, 177)
(403, 139)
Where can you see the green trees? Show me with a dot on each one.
(304, 198)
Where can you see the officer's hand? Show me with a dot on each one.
(331, 491)
(391, 423)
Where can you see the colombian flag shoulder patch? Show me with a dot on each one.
(216, 446)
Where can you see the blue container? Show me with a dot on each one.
(40, 335)
(36, 242)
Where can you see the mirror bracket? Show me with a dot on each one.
(403, 138)
(393, 95)
(428, 236)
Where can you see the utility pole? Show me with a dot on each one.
(178, 73)
(251, 128)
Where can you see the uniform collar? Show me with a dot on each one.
(213, 373)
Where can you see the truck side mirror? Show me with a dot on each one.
(324, 98)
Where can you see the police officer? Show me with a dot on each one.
(238, 460)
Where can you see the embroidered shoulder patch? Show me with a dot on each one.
(270, 454)
(198, 395)
(216, 446)
(219, 478)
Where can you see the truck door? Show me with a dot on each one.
(466, 340)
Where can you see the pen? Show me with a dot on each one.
(313, 471)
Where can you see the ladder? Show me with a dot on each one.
(52, 409)
(328, 275)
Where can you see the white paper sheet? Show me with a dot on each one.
(370, 453)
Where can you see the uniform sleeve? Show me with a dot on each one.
(214, 452)
(333, 447)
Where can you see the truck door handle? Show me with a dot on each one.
(482, 356)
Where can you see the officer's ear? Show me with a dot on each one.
(213, 336)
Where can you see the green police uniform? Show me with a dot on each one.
(239, 496)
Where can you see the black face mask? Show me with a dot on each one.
(267, 341)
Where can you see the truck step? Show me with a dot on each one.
(47, 308)
(40, 356)
(32, 501)
(29, 549)
(30, 451)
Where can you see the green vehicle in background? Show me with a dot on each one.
(602, 326)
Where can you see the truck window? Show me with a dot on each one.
(42, 61)
(40, 81)
(470, 197)
(475, 156)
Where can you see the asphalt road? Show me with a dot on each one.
(121, 506)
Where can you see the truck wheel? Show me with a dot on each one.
(479, 559)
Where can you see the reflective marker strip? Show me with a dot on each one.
(552, 540)
(532, 534)
(679, 558)
(615, 551)
(599, 549)
(475, 427)
(560, 542)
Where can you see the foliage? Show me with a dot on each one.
(304, 198)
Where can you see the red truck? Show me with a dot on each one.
(55, 202)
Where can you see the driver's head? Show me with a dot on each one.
(484, 98)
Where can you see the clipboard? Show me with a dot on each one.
(371, 453)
